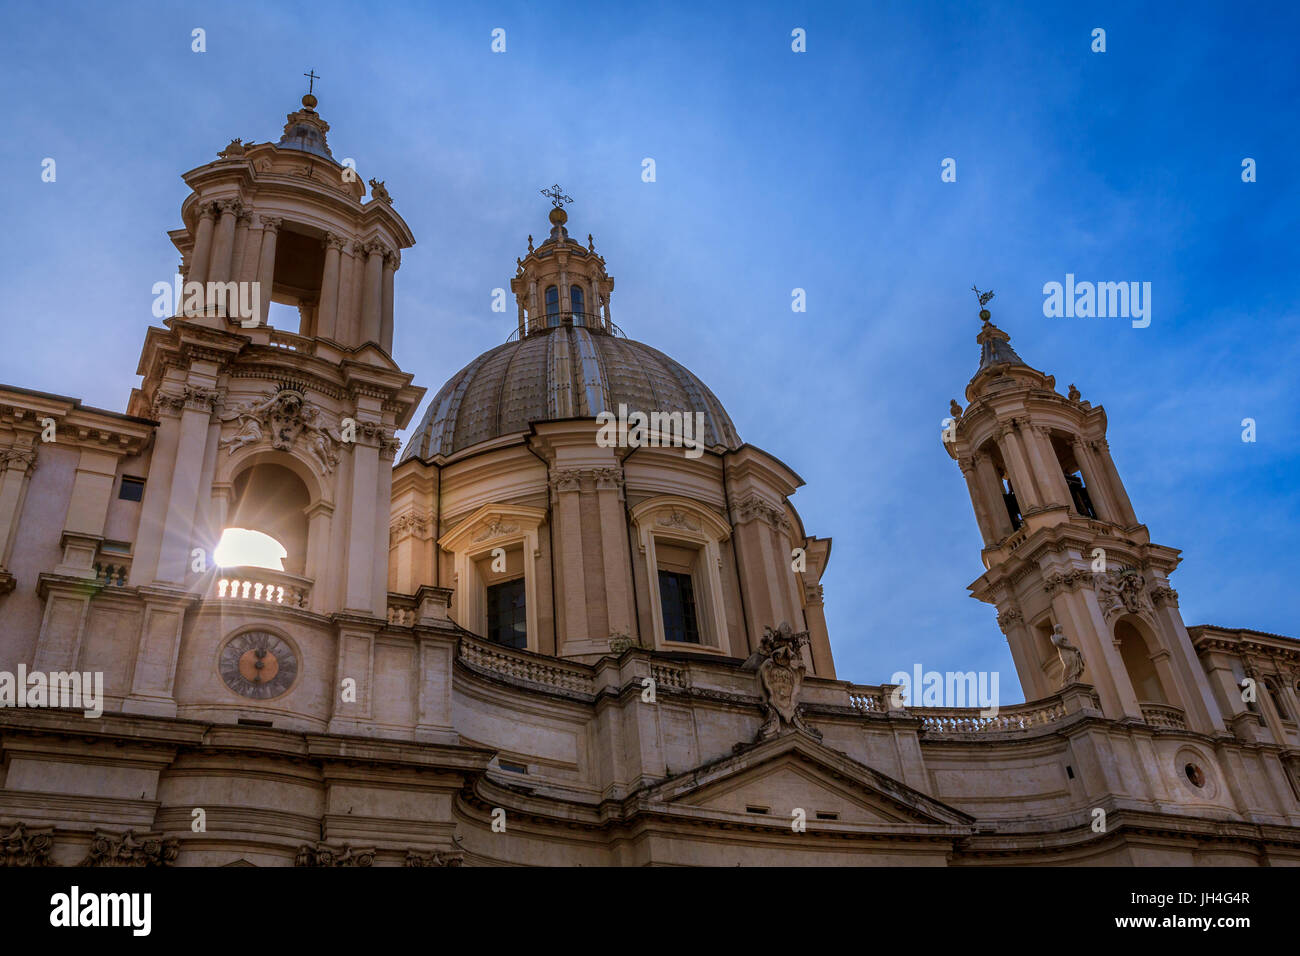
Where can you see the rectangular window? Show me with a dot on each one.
(132, 489)
(677, 594)
(507, 620)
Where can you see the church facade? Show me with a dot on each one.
(577, 621)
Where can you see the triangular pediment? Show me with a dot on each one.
(795, 771)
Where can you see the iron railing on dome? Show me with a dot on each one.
(587, 320)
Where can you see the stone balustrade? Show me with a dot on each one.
(112, 573)
(261, 585)
(403, 611)
(949, 721)
(869, 700)
(524, 666)
(1162, 715)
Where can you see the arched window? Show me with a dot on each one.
(552, 305)
(268, 509)
(575, 304)
(1277, 700)
(1135, 653)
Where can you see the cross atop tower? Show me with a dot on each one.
(311, 79)
(556, 195)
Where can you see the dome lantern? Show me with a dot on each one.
(561, 283)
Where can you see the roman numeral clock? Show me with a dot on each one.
(258, 664)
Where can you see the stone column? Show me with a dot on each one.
(223, 246)
(346, 324)
(317, 566)
(196, 405)
(522, 329)
(359, 593)
(988, 480)
(968, 472)
(1029, 666)
(392, 261)
(1022, 479)
(1124, 508)
(327, 315)
(16, 464)
(567, 500)
(1051, 477)
(614, 549)
(814, 613)
(372, 292)
(1094, 482)
(266, 268)
(241, 243)
(252, 252)
(202, 251)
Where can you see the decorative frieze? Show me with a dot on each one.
(22, 846)
(754, 507)
(1120, 590)
(1163, 594)
(436, 858)
(1009, 618)
(283, 417)
(322, 854)
(412, 524)
(130, 849)
(494, 528)
(190, 397)
(1070, 580)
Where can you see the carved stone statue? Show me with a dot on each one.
(379, 191)
(285, 415)
(1120, 589)
(780, 675)
(1072, 663)
(953, 408)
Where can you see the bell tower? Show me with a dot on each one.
(274, 425)
(1063, 546)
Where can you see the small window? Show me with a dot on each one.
(1277, 700)
(677, 594)
(552, 305)
(511, 767)
(507, 620)
(827, 815)
(132, 489)
(1195, 776)
(751, 808)
(576, 304)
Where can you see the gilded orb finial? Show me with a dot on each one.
(984, 298)
(308, 100)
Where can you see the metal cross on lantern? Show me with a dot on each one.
(984, 297)
(311, 79)
(556, 195)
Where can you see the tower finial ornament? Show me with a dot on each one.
(309, 100)
(556, 195)
(984, 298)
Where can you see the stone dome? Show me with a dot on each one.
(565, 372)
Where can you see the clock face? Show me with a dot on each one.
(258, 664)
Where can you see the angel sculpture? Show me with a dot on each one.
(250, 416)
(321, 439)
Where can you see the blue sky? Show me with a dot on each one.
(775, 170)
